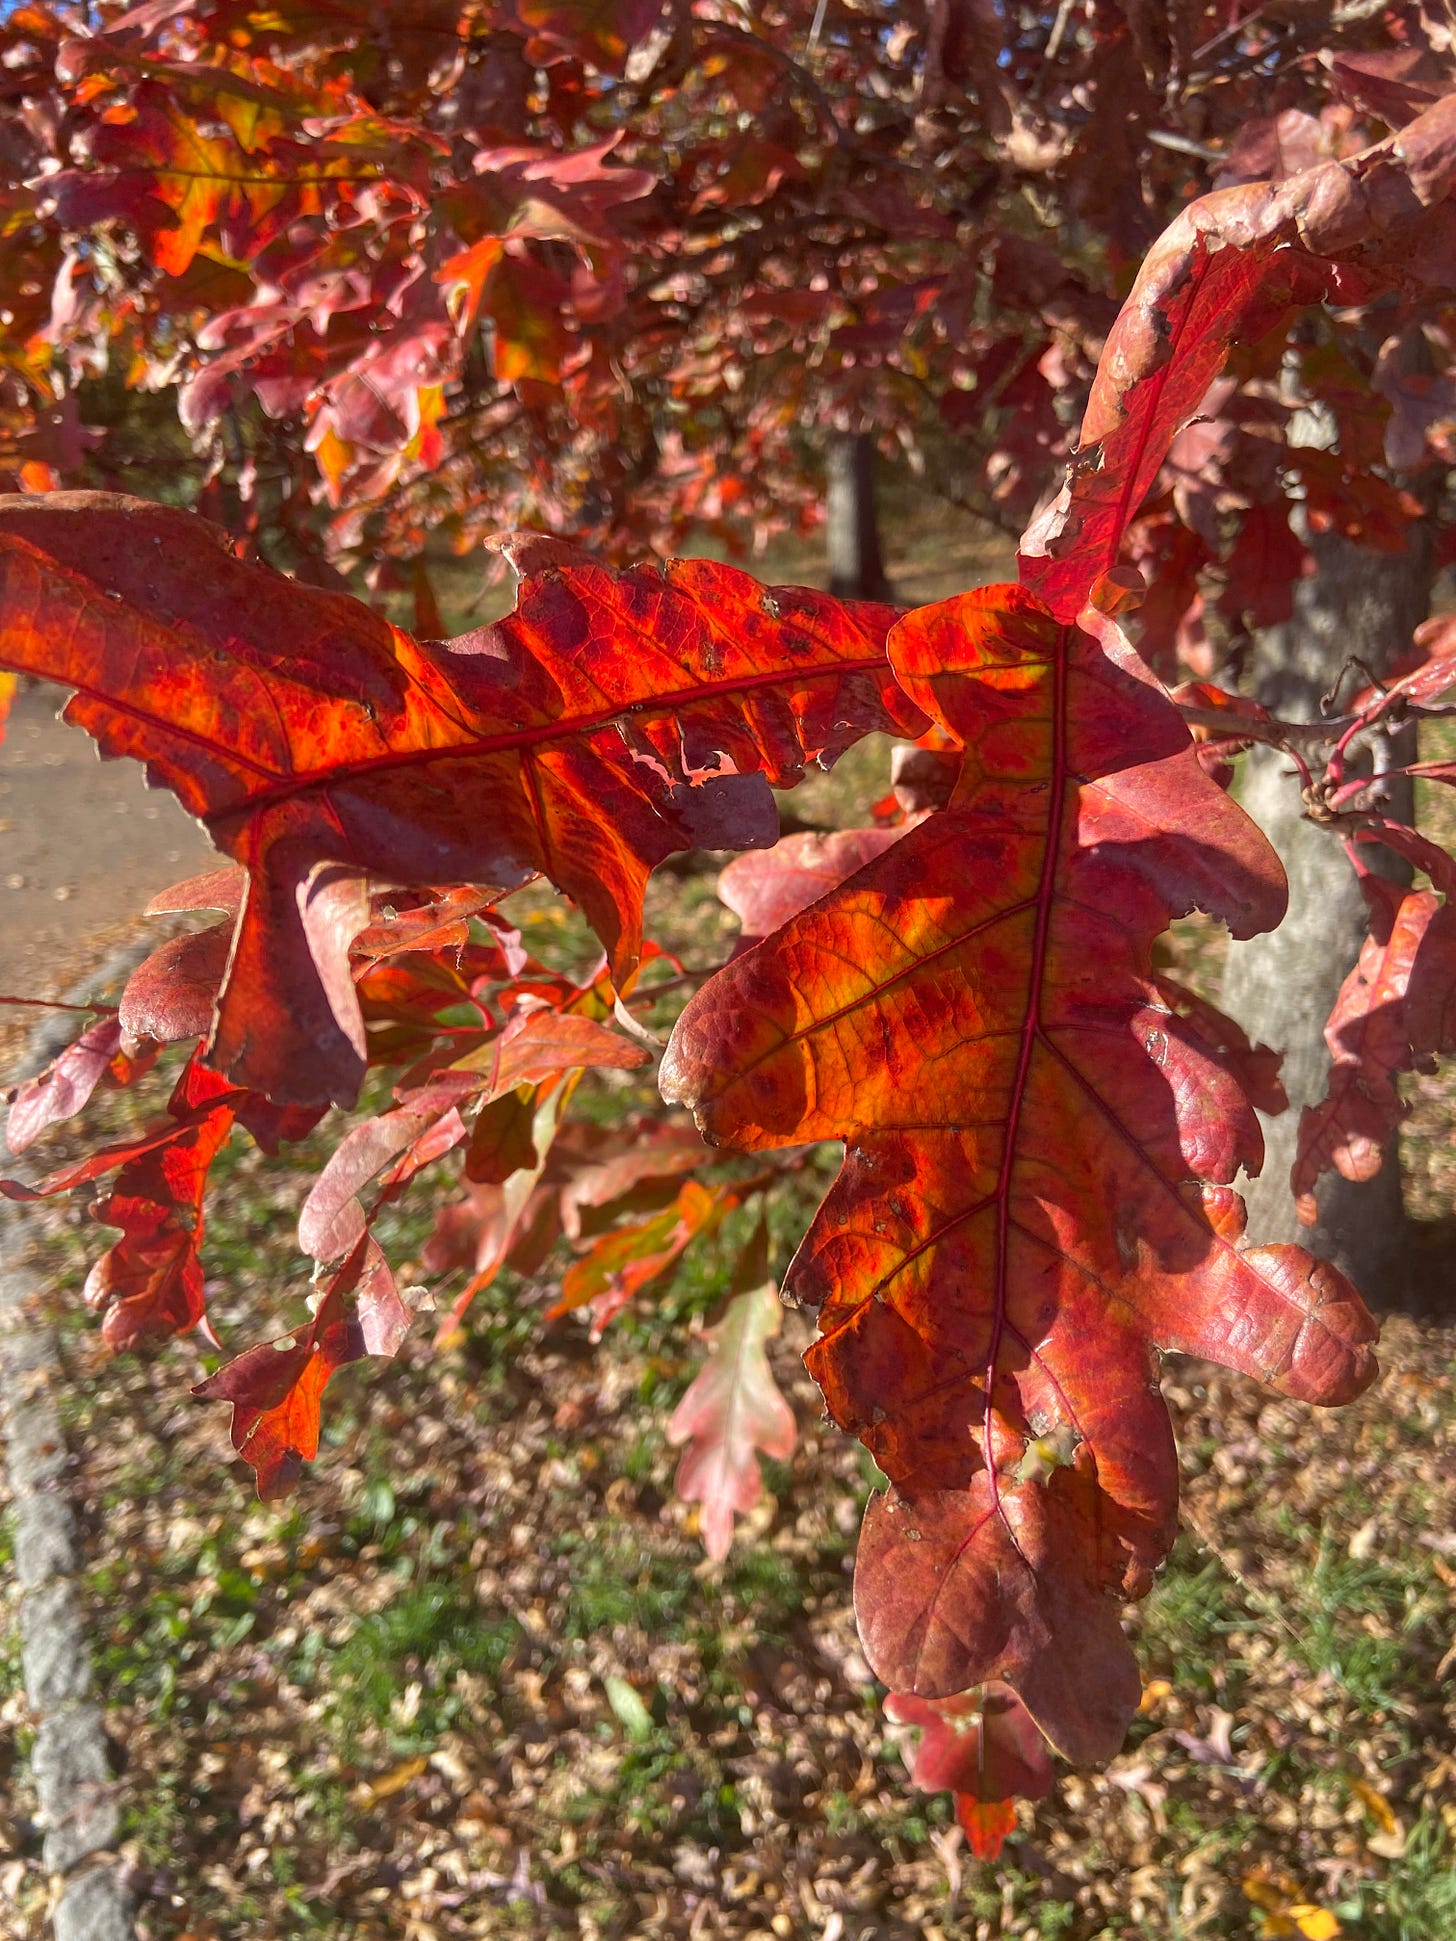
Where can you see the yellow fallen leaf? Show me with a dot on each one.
(1310, 1922)
(1286, 1916)
(1154, 1693)
(1376, 1805)
(1388, 1839)
(1270, 1890)
(369, 1792)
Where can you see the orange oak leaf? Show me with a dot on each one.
(987, 1824)
(627, 1257)
(276, 1389)
(731, 1411)
(324, 749)
(1035, 1194)
(201, 159)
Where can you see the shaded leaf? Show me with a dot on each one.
(627, 1258)
(1226, 271)
(150, 1284)
(765, 888)
(1394, 1007)
(542, 1043)
(983, 1742)
(171, 994)
(652, 1152)
(332, 1220)
(515, 1223)
(502, 1139)
(1255, 1066)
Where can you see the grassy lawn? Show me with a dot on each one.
(476, 1678)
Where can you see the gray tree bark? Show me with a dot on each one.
(856, 565)
(1281, 987)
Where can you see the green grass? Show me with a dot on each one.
(395, 1677)
(1370, 1662)
(1416, 1901)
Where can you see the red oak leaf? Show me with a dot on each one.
(276, 1389)
(1226, 271)
(1034, 1196)
(765, 888)
(533, 745)
(1390, 1014)
(982, 1742)
(149, 1284)
(171, 995)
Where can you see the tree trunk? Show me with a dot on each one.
(1281, 987)
(856, 568)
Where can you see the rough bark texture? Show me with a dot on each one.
(78, 1798)
(1281, 987)
(856, 566)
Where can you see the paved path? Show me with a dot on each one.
(83, 844)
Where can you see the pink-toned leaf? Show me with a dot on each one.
(64, 1087)
(541, 1044)
(1255, 1066)
(1395, 83)
(766, 887)
(434, 922)
(730, 1413)
(212, 889)
(332, 1220)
